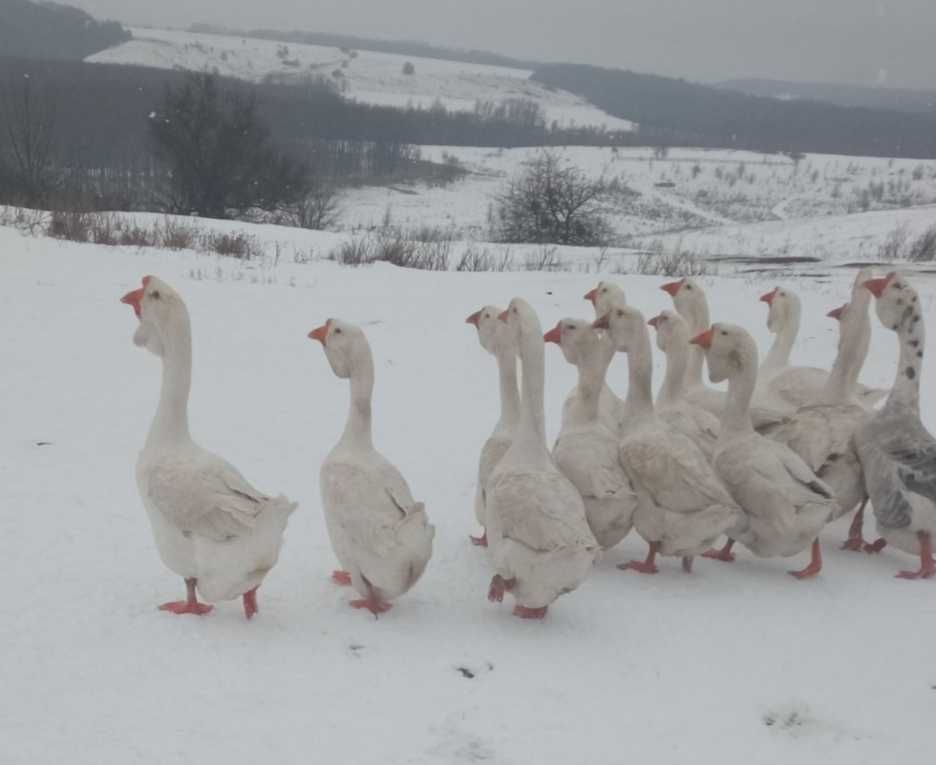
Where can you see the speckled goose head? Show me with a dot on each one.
(344, 344)
(604, 296)
(782, 306)
(897, 303)
(729, 350)
(161, 312)
(671, 330)
(488, 326)
(626, 324)
(575, 337)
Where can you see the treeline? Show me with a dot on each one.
(49, 30)
(679, 113)
(352, 42)
(840, 94)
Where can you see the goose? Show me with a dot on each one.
(786, 504)
(586, 451)
(690, 303)
(495, 339)
(821, 433)
(785, 387)
(210, 525)
(672, 335)
(682, 507)
(379, 533)
(539, 540)
(898, 454)
(610, 406)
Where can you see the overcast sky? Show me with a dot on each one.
(863, 41)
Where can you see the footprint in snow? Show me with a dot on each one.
(798, 721)
(470, 673)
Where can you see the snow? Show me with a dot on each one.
(734, 664)
(369, 76)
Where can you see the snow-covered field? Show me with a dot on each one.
(367, 76)
(711, 202)
(733, 664)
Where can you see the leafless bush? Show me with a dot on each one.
(24, 219)
(474, 258)
(137, 236)
(895, 244)
(175, 235)
(427, 249)
(545, 259)
(73, 226)
(236, 245)
(104, 229)
(357, 251)
(658, 261)
(923, 247)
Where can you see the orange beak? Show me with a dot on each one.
(877, 286)
(768, 297)
(592, 296)
(320, 333)
(553, 336)
(703, 339)
(503, 316)
(836, 313)
(654, 321)
(673, 287)
(602, 323)
(134, 299)
(475, 318)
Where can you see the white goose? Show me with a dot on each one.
(786, 387)
(497, 340)
(672, 334)
(821, 433)
(587, 449)
(898, 454)
(538, 536)
(211, 527)
(682, 507)
(785, 502)
(380, 534)
(690, 302)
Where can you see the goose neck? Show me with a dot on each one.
(911, 334)
(170, 424)
(357, 433)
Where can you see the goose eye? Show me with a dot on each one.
(337, 330)
(620, 313)
(724, 334)
(688, 286)
(604, 289)
(571, 327)
(155, 294)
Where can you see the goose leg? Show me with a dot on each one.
(190, 605)
(341, 578)
(250, 603)
(927, 563)
(372, 602)
(687, 564)
(498, 587)
(480, 541)
(647, 566)
(815, 564)
(724, 555)
(855, 541)
(875, 547)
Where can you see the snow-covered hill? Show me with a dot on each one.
(366, 76)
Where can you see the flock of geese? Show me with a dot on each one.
(766, 464)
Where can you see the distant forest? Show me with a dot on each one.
(52, 31)
(401, 47)
(680, 113)
(896, 99)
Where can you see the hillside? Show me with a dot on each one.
(53, 31)
(679, 112)
(896, 99)
(369, 77)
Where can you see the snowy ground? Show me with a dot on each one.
(367, 76)
(691, 199)
(735, 664)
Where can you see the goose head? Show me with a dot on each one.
(625, 324)
(729, 351)
(344, 344)
(782, 307)
(522, 322)
(671, 330)
(485, 320)
(895, 300)
(161, 312)
(575, 337)
(688, 297)
(603, 296)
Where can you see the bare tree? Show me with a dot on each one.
(27, 161)
(551, 201)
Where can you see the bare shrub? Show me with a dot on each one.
(545, 259)
(176, 235)
(408, 68)
(658, 261)
(138, 236)
(357, 251)
(923, 248)
(895, 244)
(71, 225)
(104, 229)
(475, 259)
(551, 202)
(427, 249)
(235, 245)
